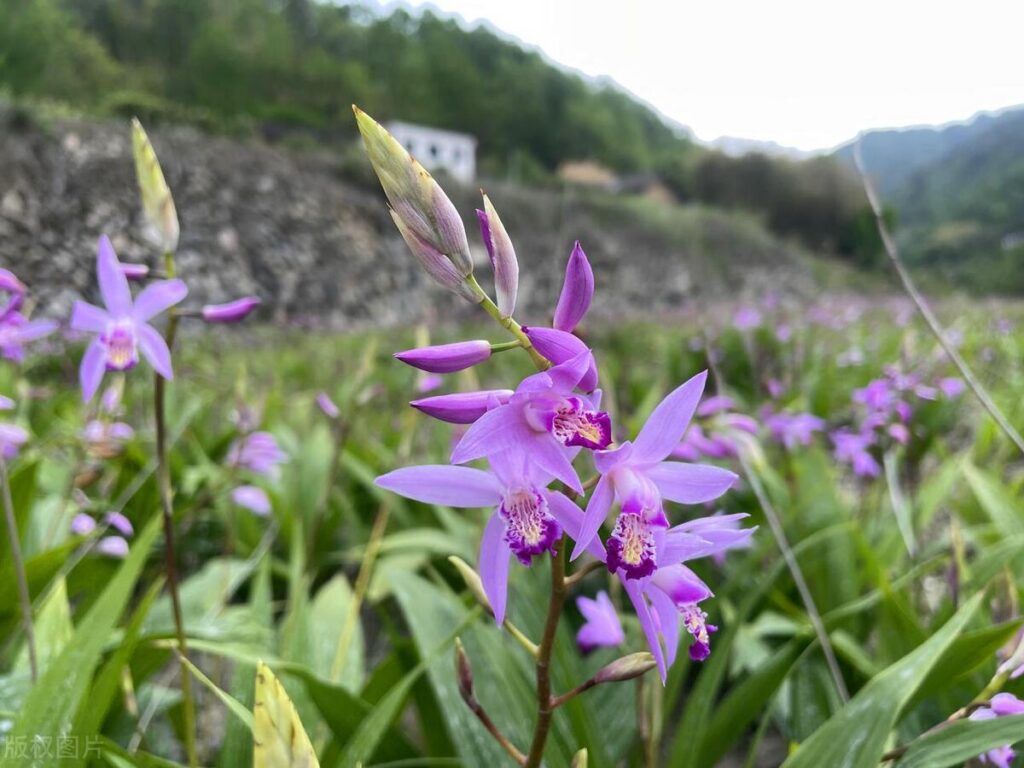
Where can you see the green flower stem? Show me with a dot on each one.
(167, 507)
(24, 597)
(508, 323)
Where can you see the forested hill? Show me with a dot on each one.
(299, 64)
(958, 197)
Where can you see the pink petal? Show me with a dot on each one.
(154, 349)
(636, 596)
(90, 374)
(89, 318)
(444, 484)
(158, 297)
(493, 566)
(113, 284)
(666, 425)
(570, 517)
(597, 510)
(690, 483)
(681, 584)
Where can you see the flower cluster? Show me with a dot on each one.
(16, 330)
(532, 436)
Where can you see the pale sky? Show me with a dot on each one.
(804, 73)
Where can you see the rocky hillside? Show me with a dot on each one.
(311, 235)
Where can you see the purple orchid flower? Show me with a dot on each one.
(12, 291)
(257, 452)
(1002, 704)
(638, 477)
(528, 519)
(852, 448)
(253, 498)
(602, 628)
(543, 418)
(122, 329)
(16, 331)
(12, 438)
(793, 429)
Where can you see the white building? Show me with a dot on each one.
(438, 150)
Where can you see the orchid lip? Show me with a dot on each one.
(529, 527)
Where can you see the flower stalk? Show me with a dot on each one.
(464, 675)
(24, 597)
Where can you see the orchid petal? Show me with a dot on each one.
(559, 347)
(666, 425)
(158, 297)
(680, 546)
(681, 584)
(113, 284)
(443, 484)
(668, 618)
(498, 430)
(154, 349)
(91, 372)
(89, 318)
(554, 459)
(690, 483)
(643, 614)
(35, 329)
(597, 511)
(493, 566)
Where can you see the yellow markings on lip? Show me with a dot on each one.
(588, 430)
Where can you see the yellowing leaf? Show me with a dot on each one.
(280, 741)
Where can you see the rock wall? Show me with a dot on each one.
(312, 237)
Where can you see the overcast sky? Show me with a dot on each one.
(804, 73)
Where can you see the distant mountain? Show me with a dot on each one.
(958, 195)
(737, 147)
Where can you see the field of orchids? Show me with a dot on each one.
(763, 534)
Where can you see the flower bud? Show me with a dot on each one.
(461, 408)
(232, 312)
(579, 760)
(447, 358)
(561, 346)
(82, 524)
(472, 579)
(134, 271)
(6, 404)
(577, 291)
(253, 498)
(626, 668)
(437, 265)
(328, 406)
(503, 258)
(157, 202)
(463, 672)
(417, 200)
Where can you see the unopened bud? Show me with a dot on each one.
(134, 271)
(461, 407)
(417, 200)
(472, 579)
(328, 406)
(577, 291)
(447, 358)
(437, 265)
(232, 312)
(579, 760)
(463, 672)
(157, 201)
(626, 668)
(503, 258)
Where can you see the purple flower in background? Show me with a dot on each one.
(82, 524)
(746, 319)
(257, 452)
(528, 518)
(12, 293)
(113, 546)
(852, 448)
(447, 358)
(1002, 704)
(12, 437)
(328, 406)
(16, 331)
(122, 329)
(428, 383)
(602, 628)
(6, 404)
(232, 312)
(107, 438)
(252, 498)
(120, 523)
(793, 429)
(542, 419)
(638, 477)
(720, 436)
(951, 387)
(577, 291)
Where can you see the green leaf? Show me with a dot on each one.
(328, 615)
(994, 498)
(52, 703)
(960, 741)
(855, 736)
